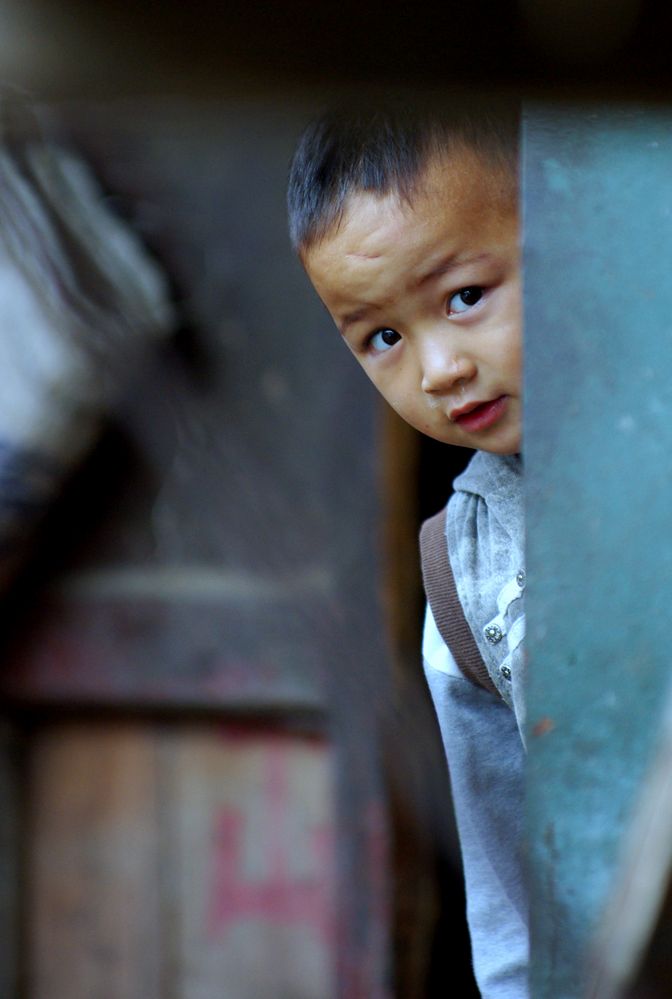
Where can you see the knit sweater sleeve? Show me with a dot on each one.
(486, 763)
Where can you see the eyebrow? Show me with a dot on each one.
(449, 263)
(355, 317)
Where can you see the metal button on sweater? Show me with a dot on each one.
(493, 633)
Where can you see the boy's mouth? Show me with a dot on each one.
(479, 415)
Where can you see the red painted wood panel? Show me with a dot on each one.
(186, 860)
(255, 861)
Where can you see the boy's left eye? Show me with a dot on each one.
(383, 339)
(464, 299)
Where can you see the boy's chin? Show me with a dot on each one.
(504, 447)
(510, 447)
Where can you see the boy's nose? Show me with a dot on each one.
(442, 370)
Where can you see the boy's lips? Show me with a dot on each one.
(479, 415)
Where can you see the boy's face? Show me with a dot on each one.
(427, 297)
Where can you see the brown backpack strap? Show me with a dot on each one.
(445, 603)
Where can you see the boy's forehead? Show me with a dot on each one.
(463, 170)
(457, 204)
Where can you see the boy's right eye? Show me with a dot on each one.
(383, 339)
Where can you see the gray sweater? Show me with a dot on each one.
(481, 732)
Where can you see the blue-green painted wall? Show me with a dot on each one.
(598, 322)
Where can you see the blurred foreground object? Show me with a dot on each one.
(598, 458)
(80, 300)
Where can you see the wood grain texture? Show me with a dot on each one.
(252, 843)
(179, 862)
(94, 927)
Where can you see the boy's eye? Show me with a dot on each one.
(384, 339)
(464, 299)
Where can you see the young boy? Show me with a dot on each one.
(407, 225)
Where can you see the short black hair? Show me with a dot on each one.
(383, 147)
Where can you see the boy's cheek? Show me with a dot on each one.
(407, 406)
(387, 390)
(403, 400)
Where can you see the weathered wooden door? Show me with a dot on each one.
(195, 663)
